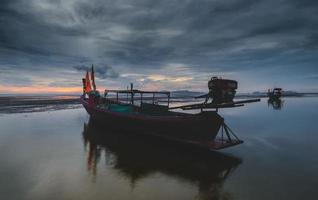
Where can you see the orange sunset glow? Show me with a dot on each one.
(40, 89)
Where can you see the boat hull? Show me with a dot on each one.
(202, 127)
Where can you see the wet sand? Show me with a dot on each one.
(23, 104)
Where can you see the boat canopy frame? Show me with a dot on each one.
(140, 92)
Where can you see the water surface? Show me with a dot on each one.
(62, 154)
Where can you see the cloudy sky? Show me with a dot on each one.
(46, 45)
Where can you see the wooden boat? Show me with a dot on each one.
(138, 116)
(154, 119)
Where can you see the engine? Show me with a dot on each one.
(221, 90)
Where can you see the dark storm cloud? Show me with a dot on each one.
(81, 68)
(205, 35)
(155, 31)
(103, 71)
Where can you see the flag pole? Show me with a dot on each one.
(93, 78)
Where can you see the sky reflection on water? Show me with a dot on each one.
(63, 155)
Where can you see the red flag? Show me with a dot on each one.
(93, 78)
(88, 83)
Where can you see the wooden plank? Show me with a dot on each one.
(212, 105)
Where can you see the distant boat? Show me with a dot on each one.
(276, 93)
(158, 120)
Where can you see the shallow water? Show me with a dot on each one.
(25, 104)
(63, 155)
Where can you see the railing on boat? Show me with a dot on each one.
(141, 93)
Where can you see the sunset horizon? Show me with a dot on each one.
(46, 46)
(158, 99)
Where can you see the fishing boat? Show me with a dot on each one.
(274, 94)
(140, 113)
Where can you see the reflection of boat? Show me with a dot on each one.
(276, 93)
(158, 120)
(138, 158)
(277, 104)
